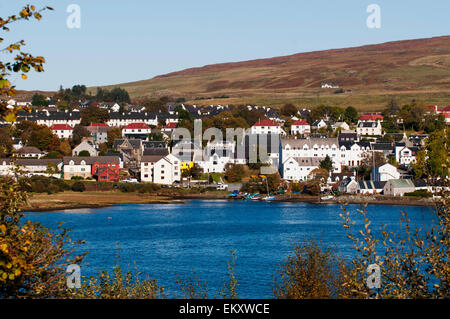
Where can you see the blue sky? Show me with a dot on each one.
(122, 41)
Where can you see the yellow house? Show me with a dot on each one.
(186, 166)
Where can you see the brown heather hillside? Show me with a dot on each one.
(370, 75)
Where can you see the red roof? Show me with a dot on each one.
(447, 115)
(99, 124)
(61, 127)
(447, 109)
(137, 126)
(371, 117)
(171, 125)
(266, 123)
(301, 122)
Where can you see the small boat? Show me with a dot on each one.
(268, 198)
(329, 197)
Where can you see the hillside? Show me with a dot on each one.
(411, 68)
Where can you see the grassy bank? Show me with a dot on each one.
(91, 199)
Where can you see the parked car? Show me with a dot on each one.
(130, 180)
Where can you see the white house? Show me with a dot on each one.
(29, 166)
(317, 125)
(215, 163)
(30, 152)
(340, 125)
(406, 155)
(370, 187)
(369, 128)
(160, 169)
(136, 130)
(86, 145)
(329, 86)
(300, 127)
(169, 127)
(76, 167)
(311, 148)
(267, 127)
(64, 131)
(298, 169)
(384, 173)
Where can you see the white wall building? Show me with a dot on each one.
(298, 169)
(384, 173)
(267, 127)
(369, 128)
(64, 131)
(215, 163)
(160, 169)
(300, 127)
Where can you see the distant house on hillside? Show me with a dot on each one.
(329, 86)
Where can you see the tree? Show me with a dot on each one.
(6, 142)
(351, 114)
(234, 173)
(113, 134)
(52, 169)
(64, 148)
(433, 161)
(33, 258)
(289, 110)
(79, 132)
(20, 62)
(327, 164)
(43, 138)
(94, 114)
(39, 100)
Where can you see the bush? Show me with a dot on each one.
(311, 272)
(148, 188)
(419, 193)
(127, 188)
(78, 187)
(77, 178)
(84, 154)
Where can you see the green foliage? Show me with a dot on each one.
(93, 114)
(20, 62)
(43, 184)
(118, 285)
(39, 100)
(148, 188)
(289, 110)
(6, 142)
(312, 271)
(235, 173)
(113, 134)
(117, 95)
(79, 132)
(327, 164)
(33, 258)
(419, 193)
(84, 154)
(433, 161)
(351, 114)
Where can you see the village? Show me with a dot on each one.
(335, 151)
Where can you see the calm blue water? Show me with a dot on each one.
(170, 240)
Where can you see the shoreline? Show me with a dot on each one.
(96, 200)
